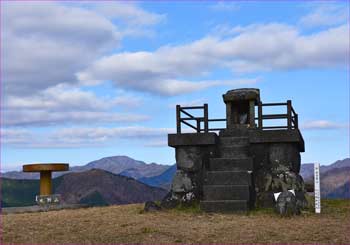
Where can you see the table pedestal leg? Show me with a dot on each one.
(45, 183)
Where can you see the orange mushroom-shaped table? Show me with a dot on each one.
(46, 170)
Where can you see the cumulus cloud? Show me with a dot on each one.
(157, 143)
(195, 102)
(65, 105)
(128, 12)
(15, 136)
(326, 14)
(48, 118)
(45, 44)
(63, 97)
(81, 137)
(280, 47)
(323, 124)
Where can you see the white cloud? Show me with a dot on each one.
(280, 47)
(195, 102)
(64, 104)
(323, 124)
(225, 6)
(46, 43)
(157, 143)
(64, 97)
(81, 137)
(15, 136)
(48, 118)
(326, 14)
(176, 87)
(128, 12)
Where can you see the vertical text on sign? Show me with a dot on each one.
(317, 188)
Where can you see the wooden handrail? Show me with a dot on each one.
(273, 104)
(260, 119)
(185, 112)
(291, 116)
(274, 116)
(192, 107)
(193, 119)
(217, 120)
(178, 119)
(206, 119)
(190, 125)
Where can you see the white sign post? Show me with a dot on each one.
(317, 188)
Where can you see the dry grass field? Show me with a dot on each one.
(128, 224)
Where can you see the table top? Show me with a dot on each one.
(38, 167)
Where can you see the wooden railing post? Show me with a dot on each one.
(289, 114)
(198, 125)
(296, 121)
(178, 119)
(206, 119)
(260, 120)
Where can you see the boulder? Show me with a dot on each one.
(278, 179)
(286, 204)
(181, 182)
(170, 201)
(151, 207)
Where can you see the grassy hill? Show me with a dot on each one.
(129, 224)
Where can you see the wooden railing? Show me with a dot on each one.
(198, 120)
(291, 116)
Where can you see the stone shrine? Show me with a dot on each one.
(241, 166)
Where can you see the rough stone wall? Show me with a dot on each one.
(191, 162)
(276, 169)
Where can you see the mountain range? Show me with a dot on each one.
(307, 169)
(335, 178)
(122, 165)
(94, 187)
(163, 180)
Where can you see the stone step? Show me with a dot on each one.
(226, 192)
(233, 140)
(227, 178)
(234, 151)
(225, 206)
(231, 164)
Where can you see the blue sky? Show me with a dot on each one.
(82, 81)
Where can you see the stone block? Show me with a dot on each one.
(242, 94)
(234, 151)
(226, 192)
(258, 136)
(192, 139)
(181, 182)
(231, 164)
(284, 154)
(189, 158)
(228, 178)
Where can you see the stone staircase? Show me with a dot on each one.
(227, 182)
